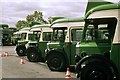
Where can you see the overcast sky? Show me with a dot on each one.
(13, 10)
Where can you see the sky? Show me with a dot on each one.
(12, 11)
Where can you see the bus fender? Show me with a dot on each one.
(92, 58)
(31, 49)
(61, 51)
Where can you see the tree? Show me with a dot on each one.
(22, 23)
(32, 19)
(36, 17)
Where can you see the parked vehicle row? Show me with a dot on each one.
(62, 32)
(91, 43)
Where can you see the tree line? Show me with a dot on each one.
(32, 19)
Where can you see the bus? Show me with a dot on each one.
(99, 54)
(36, 48)
(24, 36)
(61, 50)
(6, 34)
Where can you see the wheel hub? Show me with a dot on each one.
(21, 51)
(32, 56)
(56, 62)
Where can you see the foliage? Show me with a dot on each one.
(32, 19)
(35, 18)
(22, 23)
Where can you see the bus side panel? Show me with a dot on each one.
(70, 49)
(73, 52)
(42, 46)
(115, 55)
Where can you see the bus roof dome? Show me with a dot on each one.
(103, 7)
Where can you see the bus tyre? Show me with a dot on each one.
(21, 50)
(33, 55)
(98, 70)
(56, 61)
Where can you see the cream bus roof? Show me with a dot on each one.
(25, 29)
(108, 10)
(20, 32)
(68, 22)
(44, 27)
(16, 32)
(35, 29)
(47, 29)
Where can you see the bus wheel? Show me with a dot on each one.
(97, 71)
(33, 55)
(21, 50)
(56, 62)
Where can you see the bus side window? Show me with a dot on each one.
(88, 35)
(105, 36)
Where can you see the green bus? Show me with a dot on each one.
(61, 50)
(13, 30)
(6, 34)
(99, 52)
(16, 37)
(36, 48)
(24, 36)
